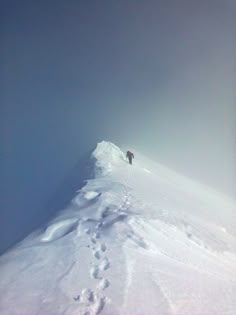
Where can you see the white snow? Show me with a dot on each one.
(134, 240)
(91, 195)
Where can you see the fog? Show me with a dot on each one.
(159, 76)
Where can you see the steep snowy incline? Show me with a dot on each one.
(135, 240)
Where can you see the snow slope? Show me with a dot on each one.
(134, 240)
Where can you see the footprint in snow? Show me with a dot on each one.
(105, 264)
(94, 272)
(98, 305)
(94, 303)
(93, 240)
(96, 235)
(97, 254)
(103, 247)
(103, 284)
(87, 295)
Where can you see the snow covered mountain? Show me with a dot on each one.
(137, 240)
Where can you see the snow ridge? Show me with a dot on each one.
(134, 240)
(105, 156)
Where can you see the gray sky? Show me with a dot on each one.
(158, 75)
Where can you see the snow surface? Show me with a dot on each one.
(135, 240)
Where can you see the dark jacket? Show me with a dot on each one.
(129, 154)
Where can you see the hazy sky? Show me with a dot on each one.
(158, 75)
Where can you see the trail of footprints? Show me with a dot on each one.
(92, 302)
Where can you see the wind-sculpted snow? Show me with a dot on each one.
(59, 229)
(106, 156)
(134, 240)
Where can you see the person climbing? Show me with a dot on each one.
(130, 156)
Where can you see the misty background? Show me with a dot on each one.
(157, 75)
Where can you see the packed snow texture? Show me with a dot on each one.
(135, 240)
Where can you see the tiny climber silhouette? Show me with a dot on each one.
(130, 156)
